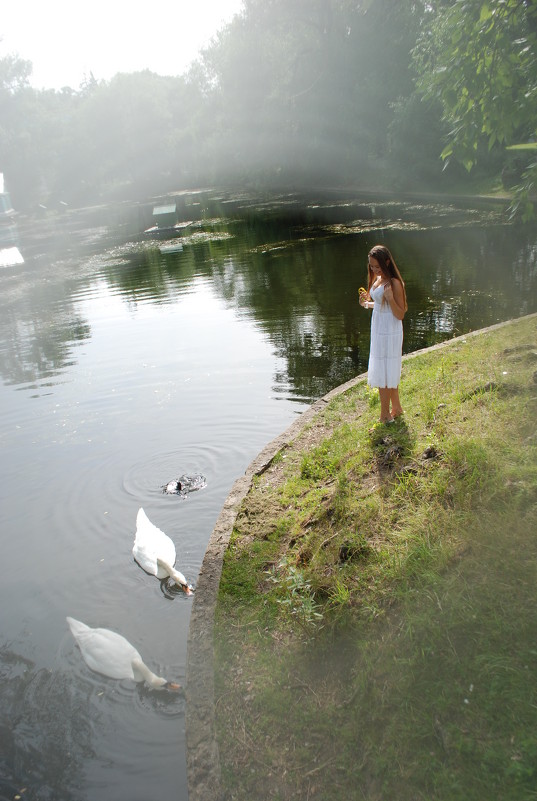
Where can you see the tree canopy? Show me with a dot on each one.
(309, 92)
(479, 61)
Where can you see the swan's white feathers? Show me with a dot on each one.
(152, 544)
(105, 651)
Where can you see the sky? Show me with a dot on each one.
(66, 40)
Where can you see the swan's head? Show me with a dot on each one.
(176, 576)
(158, 683)
(141, 671)
(172, 686)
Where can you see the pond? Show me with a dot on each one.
(131, 355)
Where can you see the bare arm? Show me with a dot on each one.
(395, 297)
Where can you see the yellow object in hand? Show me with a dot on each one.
(362, 291)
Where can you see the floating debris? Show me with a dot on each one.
(171, 247)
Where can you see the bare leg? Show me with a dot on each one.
(384, 393)
(397, 409)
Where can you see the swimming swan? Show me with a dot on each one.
(112, 655)
(155, 552)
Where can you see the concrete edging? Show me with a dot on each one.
(202, 756)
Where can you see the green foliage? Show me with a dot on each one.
(316, 465)
(415, 133)
(297, 596)
(479, 60)
(14, 73)
(302, 92)
(135, 133)
(291, 91)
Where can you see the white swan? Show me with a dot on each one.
(112, 655)
(155, 552)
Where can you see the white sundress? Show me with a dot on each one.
(386, 348)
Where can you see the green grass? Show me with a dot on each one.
(376, 628)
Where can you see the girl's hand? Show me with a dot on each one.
(388, 292)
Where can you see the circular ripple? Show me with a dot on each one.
(83, 501)
(203, 465)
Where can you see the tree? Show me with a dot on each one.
(14, 73)
(17, 143)
(304, 90)
(479, 59)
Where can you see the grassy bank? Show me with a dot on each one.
(376, 623)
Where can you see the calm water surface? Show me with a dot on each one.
(128, 359)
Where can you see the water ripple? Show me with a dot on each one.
(145, 479)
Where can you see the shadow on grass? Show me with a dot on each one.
(392, 443)
(436, 701)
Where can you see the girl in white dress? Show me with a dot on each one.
(386, 295)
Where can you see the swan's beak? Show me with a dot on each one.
(187, 589)
(172, 686)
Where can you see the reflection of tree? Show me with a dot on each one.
(299, 281)
(39, 323)
(299, 287)
(284, 265)
(44, 736)
(478, 277)
(304, 294)
(38, 334)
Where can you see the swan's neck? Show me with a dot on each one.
(150, 678)
(174, 574)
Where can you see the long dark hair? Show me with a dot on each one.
(387, 266)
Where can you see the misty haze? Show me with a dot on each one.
(180, 259)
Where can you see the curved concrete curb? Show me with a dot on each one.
(203, 764)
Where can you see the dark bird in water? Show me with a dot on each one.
(184, 484)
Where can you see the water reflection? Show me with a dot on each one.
(39, 747)
(128, 359)
(54, 723)
(294, 268)
(37, 342)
